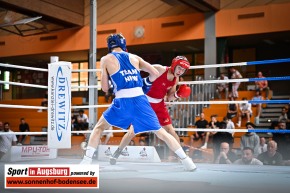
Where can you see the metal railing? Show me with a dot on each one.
(185, 115)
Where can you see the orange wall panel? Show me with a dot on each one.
(78, 39)
(67, 40)
(276, 18)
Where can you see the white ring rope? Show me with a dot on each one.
(22, 106)
(23, 67)
(42, 86)
(218, 65)
(125, 131)
(214, 81)
(107, 105)
(89, 106)
(87, 70)
(23, 84)
(45, 132)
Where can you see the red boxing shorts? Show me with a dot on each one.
(162, 113)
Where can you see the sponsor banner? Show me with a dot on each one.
(51, 176)
(29, 152)
(59, 105)
(129, 153)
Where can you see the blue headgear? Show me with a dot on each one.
(116, 40)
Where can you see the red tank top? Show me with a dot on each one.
(160, 86)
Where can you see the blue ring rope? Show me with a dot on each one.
(269, 101)
(268, 131)
(268, 61)
(270, 78)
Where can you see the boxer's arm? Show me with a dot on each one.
(153, 72)
(104, 75)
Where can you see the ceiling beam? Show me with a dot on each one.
(59, 12)
(203, 5)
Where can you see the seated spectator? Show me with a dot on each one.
(235, 74)
(263, 144)
(232, 109)
(271, 156)
(262, 85)
(23, 127)
(229, 125)
(251, 140)
(82, 121)
(257, 96)
(284, 115)
(226, 156)
(6, 141)
(213, 124)
(73, 122)
(44, 101)
(222, 87)
(248, 158)
(201, 123)
(220, 137)
(282, 140)
(244, 111)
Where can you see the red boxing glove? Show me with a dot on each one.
(183, 91)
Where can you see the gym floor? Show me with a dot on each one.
(128, 177)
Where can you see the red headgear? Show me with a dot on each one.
(179, 61)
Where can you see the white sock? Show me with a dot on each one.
(90, 151)
(180, 153)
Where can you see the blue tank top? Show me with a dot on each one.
(127, 76)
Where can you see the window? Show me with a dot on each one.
(6, 78)
(82, 78)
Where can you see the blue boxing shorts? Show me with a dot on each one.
(136, 111)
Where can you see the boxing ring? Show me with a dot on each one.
(169, 177)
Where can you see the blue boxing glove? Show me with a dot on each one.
(146, 85)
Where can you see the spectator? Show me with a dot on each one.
(251, 140)
(201, 123)
(222, 87)
(235, 74)
(283, 140)
(262, 85)
(226, 156)
(6, 141)
(248, 158)
(23, 127)
(220, 137)
(73, 122)
(263, 144)
(44, 101)
(82, 121)
(271, 156)
(232, 109)
(244, 111)
(284, 115)
(213, 124)
(257, 96)
(229, 125)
